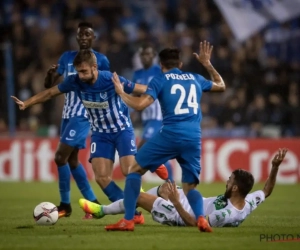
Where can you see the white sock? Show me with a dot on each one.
(116, 207)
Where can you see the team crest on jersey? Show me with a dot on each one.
(72, 133)
(220, 202)
(103, 95)
(132, 143)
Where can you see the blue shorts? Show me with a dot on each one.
(151, 127)
(74, 131)
(163, 147)
(104, 145)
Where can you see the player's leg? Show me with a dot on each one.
(126, 147)
(151, 128)
(80, 127)
(189, 161)
(102, 159)
(64, 174)
(148, 158)
(80, 177)
(144, 201)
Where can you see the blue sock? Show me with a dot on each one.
(131, 193)
(113, 192)
(82, 182)
(64, 176)
(196, 202)
(170, 171)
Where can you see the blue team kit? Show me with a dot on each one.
(108, 115)
(151, 116)
(75, 125)
(179, 94)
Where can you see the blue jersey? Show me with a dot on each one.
(144, 76)
(73, 106)
(106, 111)
(179, 94)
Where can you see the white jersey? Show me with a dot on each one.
(220, 211)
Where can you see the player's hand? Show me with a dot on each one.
(279, 157)
(52, 69)
(119, 87)
(205, 50)
(173, 193)
(21, 104)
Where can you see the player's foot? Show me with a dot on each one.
(122, 225)
(162, 172)
(142, 190)
(92, 208)
(139, 219)
(87, 216)
(64, 210)
(203, 225)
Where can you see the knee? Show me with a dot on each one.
(60, 159)
(188, 187)
(137, 169)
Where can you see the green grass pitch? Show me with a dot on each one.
(280, 214)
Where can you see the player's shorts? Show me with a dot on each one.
(164, 212)
(151, 127)
(104, 145)
(74, 131)
(163, 147)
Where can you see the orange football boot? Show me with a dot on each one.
(122, 225)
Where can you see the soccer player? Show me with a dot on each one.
(179, 95)
(75, 125)
(108, 116)
(151, 116)
(168, 204)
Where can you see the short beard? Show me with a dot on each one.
(228, 193)
(90, 81)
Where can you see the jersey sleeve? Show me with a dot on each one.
(61, 64)
(69, 84)
(205, 84)
(154, 87)
(128, 85)
(103, 64)
(256, 198)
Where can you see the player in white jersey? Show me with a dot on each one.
(168, 204)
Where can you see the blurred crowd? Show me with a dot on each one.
(262, 75)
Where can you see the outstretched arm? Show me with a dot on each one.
(270, 183)
(39, 98)
(205, 50)
(136, 102)
(188, 219)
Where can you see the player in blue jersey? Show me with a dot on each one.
(179, 94)
(74, 125)
(108, 116)
(151, 116)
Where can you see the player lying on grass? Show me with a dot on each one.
(168, 204)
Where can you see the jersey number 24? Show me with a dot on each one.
(191, 100)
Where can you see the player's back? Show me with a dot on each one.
(144, 76)
(179, 98)
(73, 106)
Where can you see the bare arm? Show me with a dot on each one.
(137, 103)
(205, 50)
(139, 89)
(173, 196)
(51, 77)
(39, 98)
(185, 216)
(270, 183)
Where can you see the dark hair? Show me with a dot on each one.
(84, 55)
(244, 180)
(85, 24)
(169, 58)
